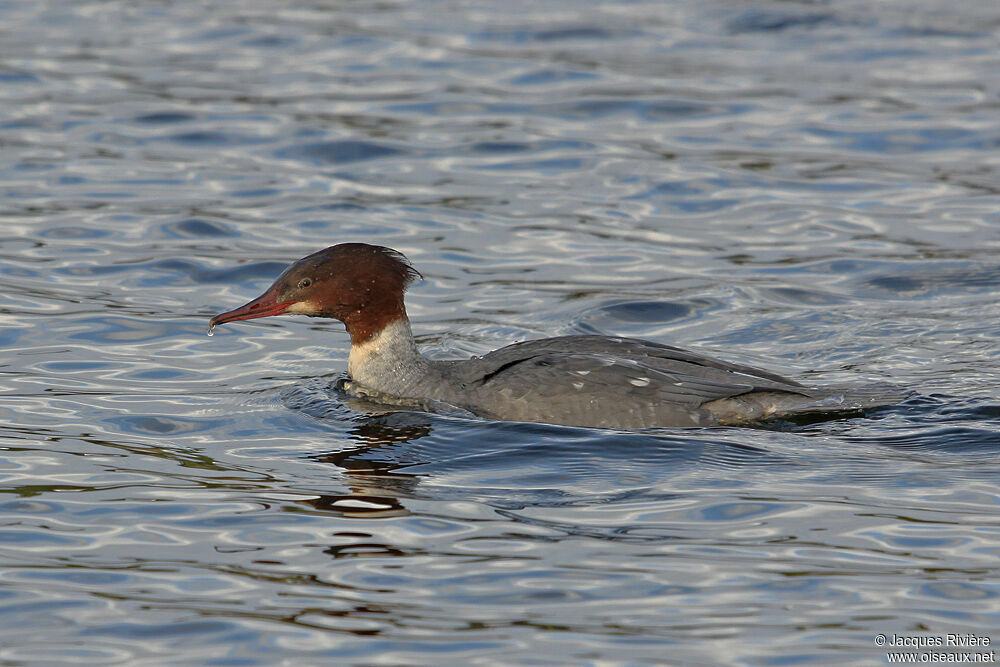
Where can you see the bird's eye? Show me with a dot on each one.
(305, 282)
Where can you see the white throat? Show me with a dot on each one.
(389, 362)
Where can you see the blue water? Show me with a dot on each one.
(811, 187)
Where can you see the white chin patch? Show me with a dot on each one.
(303, 308)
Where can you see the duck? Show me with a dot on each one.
(576, 380)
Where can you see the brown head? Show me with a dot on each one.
(359, 284)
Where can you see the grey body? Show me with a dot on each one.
(597, 381)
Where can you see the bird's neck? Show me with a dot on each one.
(388, 361)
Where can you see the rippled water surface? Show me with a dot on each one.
(807, 186)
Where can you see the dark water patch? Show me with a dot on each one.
(624, 316)
(671, 189)
(73, 366)
(497, 147)
(452, 109)
(23, 123)
(704, 205)
(85, 577)
(164, 118)
(575, 33)
(921, 279)
(954, 408)
(659, 109)
(160, 374)
(338, 206)
(936, 424)
(987, 144)
(801, 296)
(582, 32)
(213, 139)
(163, 424)
(981, 441)
(17, 78)
(252, 271)
(30, 507)
(583, 109)
(777, 21)
(185, 629)
(338, 152)
(10, 336)
(179, 271)
(107, 195)
(40, 538)
(934, 31)
(199, 228)
(48, 607)
(548, 77)
(270, 42)
(255, 193)
(19, 271)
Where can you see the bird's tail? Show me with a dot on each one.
(822, 402)
(845, 398)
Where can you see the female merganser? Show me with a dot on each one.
(600, 381)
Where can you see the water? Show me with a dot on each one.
(809, 187)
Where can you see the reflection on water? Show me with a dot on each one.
(806, 187)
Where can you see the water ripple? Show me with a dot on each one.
(806, 187)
